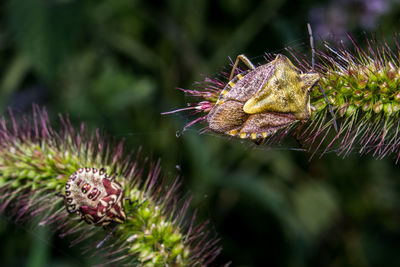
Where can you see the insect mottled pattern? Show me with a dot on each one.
(258, 102)
(95, 196)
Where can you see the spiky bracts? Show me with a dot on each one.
(35, 163)
(363, 88)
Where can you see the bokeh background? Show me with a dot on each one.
(116, 65)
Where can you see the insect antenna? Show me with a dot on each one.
(320, 87)
(312, 46)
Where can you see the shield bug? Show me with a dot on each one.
(95, 196)
(259, 101)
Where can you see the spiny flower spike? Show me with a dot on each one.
(149, 221)
(362, 86)
(364, 90)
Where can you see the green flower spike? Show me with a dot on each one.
(35, 163)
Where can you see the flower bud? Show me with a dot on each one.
(378, 107)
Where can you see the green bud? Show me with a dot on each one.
(52, 184)
(358, 103)
(396, 96)
(384, 97)
(346, 89)
(174, 237)
(367, 94)
(332, 100)
(387, 108)
(350, 110)
(391, 74)
(367, 106)
(372, 79)
(396, 107)
(393, 84)
(34, 186)
(373, 86)
(362, 84)
(343, 109)
(320, 105)
(358, 93)
(15, 184)
(178, 249)
(378, 107)
(384, 88)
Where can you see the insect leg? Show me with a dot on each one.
(130, 201)
(107, 237)
(116, 227)
(330, 108)
(245, 60)
(138, 206)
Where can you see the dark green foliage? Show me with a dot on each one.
(116, 64)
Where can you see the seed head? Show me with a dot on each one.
(36, 162)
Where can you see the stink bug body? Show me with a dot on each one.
(258, 102)
(95, 196)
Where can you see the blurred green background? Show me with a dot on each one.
(116, 66)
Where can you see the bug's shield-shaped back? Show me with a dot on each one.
(285, 91)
